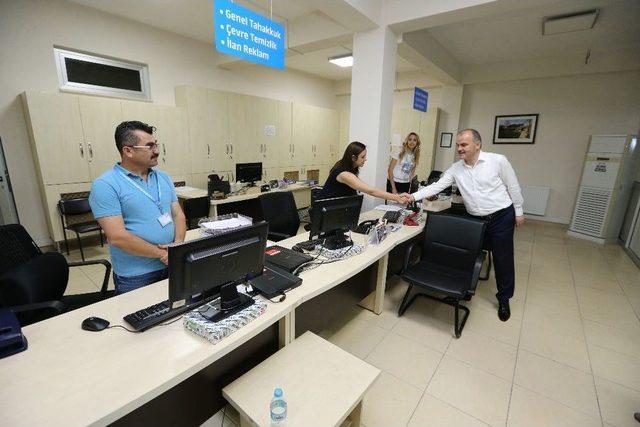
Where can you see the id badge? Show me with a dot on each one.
(165, 219)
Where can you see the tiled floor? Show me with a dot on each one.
(569, 355)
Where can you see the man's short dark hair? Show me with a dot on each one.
(475, 135)
(125, 133)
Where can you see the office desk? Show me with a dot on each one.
(301, 194)
(68, 376)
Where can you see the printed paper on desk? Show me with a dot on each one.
(185, 189)
(389, 208)
(226, 223)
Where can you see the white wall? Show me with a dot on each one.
(30, 28)
(571, 109)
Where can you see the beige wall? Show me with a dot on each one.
(30, 28)
(571, 109)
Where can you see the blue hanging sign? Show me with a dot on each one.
(420, 99)
(243, 33)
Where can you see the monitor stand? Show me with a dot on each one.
(230, 302)
(335, 240)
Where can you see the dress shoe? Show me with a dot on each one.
(503, 310)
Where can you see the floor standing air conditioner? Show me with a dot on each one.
(607, 180)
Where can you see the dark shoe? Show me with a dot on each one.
(504, 312)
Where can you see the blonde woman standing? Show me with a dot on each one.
(402, 167)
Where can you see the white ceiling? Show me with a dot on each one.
(518, 35)
(190, 18)
(503, 37)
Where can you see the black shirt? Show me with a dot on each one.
(332, 188)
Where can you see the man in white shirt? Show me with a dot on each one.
(490, 191)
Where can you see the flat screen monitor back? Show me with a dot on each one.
(204, 265)
(249, 172)
(339, 213)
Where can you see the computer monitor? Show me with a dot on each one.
(330, 218)
(205, 267)
(249, 172)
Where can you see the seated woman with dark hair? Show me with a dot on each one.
(343, 178)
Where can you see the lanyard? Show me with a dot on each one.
(145, 192)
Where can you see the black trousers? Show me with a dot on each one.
(402, 187)
(498, 239)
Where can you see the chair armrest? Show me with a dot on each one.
(107, 266)
(407, 257)
(476, 272)
(57, 306)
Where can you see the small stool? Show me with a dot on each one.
(323, 385)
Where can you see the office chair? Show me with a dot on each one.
(32, 283)
(280, 211)
(449, 264)
(194, 209)
(79, 209)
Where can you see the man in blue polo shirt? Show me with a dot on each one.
(138, 210)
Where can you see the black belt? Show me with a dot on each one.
(494, 214)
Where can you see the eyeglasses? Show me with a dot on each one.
(151, 146)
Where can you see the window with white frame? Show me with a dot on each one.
(92, 74)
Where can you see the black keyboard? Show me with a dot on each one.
(392, 216)
(158, 313)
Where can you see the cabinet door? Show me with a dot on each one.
(216, 140)
(173, 140)
(281, 150)
(56, 131)
(100, 117)
(243, 128)
(197, 103)
(328, 131)
(303, 135)
(343, 134)
(268, 138)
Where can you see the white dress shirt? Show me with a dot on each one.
(486, 187)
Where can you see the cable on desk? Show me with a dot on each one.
(123, 327)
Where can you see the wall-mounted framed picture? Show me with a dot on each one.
(515, 129)
(445, 139)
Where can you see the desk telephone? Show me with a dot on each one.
(11, 339)
(365, 226)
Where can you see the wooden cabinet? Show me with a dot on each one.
(343, 133)
(100, 117)
(55, 127)
(315, 131)
(173, 138)
(208, 128)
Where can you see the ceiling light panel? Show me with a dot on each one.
(568, 23)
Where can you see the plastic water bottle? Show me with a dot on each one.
(278, 408)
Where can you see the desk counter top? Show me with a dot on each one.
(69, 376)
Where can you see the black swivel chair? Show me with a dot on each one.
(279, 210)
(76, 207)
(194, 209)
(449, 264)
(32, 283)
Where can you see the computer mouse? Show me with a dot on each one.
(94, 324)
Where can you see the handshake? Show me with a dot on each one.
(404, 198)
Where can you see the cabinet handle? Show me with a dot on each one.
(208, 150)
(164, 149)
(90, 150)
(231, 149)
(81, 149)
